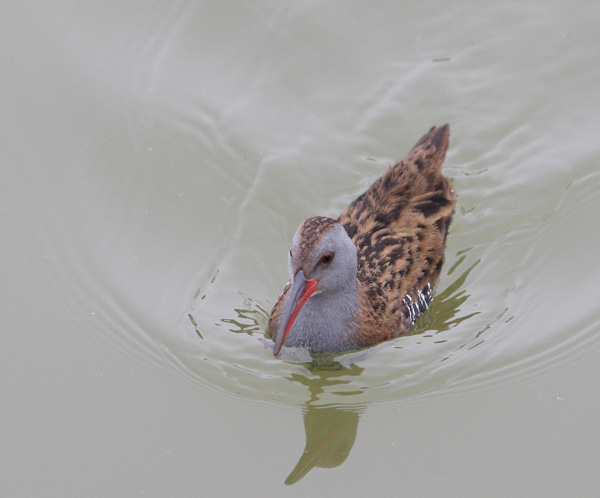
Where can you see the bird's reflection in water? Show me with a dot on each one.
(330, 435)
(330, 429)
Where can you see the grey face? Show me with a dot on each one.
(332, 261)
(324, 278)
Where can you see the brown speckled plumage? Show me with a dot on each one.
(311, 232)
(399, 227)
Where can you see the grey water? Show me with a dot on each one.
(156, 160)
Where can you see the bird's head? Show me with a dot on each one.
(322, 260)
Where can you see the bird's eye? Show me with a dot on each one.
(327, 258)
(291, 253)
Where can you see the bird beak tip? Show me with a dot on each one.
(301, 290)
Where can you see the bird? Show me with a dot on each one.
(368, 275)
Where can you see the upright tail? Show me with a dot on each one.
(429, 153)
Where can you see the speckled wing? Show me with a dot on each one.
(399, 226)
(275, 315)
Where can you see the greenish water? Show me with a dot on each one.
(156, 161)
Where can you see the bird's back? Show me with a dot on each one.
(399, 226)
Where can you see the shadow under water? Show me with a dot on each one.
(330, 435)
(330, 429)
(330, 423)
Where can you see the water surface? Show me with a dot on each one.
(157, 160)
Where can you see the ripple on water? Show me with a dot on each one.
(489, 320)
(418, 363)
(191, 293)
(488, 323)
